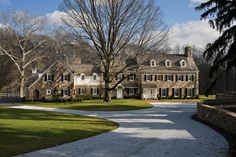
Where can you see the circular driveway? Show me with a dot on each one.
(166, 130)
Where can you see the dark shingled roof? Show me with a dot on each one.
(87, 69)
(175, 59)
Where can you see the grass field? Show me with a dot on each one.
(201, 98)
(98, 105)
(22, 131)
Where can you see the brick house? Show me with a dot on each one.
(161, 76)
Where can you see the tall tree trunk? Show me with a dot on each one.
(22, 83)
(107, 97)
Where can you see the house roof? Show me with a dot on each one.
(87, 69)
(175, 59)
(42, 74)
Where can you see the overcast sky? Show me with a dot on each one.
(179, 15)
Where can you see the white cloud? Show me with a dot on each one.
(56, 17)
(194, 3)
(197, 33)
(5, 2)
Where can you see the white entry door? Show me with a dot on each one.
(119, 94)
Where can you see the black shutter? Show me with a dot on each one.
(123, 76)
(155, 77)
(182, 77)
(128, 91)
(62, 93)
(116, 77)
(151, 77)
(186, 92)
(68, 92)
(68, 77)
(193, 92)
(128, 77)
(165, 77)
(167, 93)
(180, 90)
(45, 77)
(79, 91)
(172, 77)
(134, 77)
(173, 92)
(176, 78)
(186, 77)
(97, 91)
(192, 77)
(52, 78)
(160, 92)
(145, 77)
(62, 78)
(161, 77)
(91, 91)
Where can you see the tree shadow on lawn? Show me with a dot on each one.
(22, 131)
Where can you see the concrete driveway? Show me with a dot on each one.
(166, 130)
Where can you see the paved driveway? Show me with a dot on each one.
(163, 131)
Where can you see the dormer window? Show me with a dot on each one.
(182, 63)
(168, 63)
(82, 76)
(94, 76)
(153, 63)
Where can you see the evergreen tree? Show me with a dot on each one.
(222, 17)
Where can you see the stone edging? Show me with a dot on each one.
(218, 116)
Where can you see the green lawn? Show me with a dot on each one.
(98, 105)
(201, 98)
(22, 131)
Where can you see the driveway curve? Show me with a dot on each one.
(166, 130)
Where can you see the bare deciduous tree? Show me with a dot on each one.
(112, 27)
(21, 43)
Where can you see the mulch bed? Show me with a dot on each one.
(231, 138)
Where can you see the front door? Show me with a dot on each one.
(119, 94)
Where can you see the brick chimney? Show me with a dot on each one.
(188, 51)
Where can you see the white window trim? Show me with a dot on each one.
(153, 63)
(181, 63)
(49, 92)
(188, 93)
(82, 75)
(48, 78)
(166, 63)
(190, 77)
(175, 92)
(95, 91)
(131, 76)
(94, 74)
(120, 76)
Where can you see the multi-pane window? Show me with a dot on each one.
(66, 92)
(149, 77)
(131, 78)
(179, 78)
(120, 76)
(176, 92)
(160, 77)
(94, 77)
(190, 92)
(164, 92)
(95, 91)
(153, 63)
(169, 77)
(131, 91)
(190, 77)
(49, 77)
